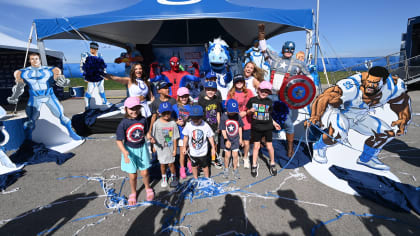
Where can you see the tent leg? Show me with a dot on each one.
(308, 46)
(41, 49)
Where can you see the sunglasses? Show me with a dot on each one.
(265, 91)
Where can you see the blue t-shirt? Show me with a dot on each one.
(181, 113)
(132, 131)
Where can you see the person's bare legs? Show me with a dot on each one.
(172, 168)
(195, 172)
(255, 153)
(133, 182)
(145, 175)
(270, 149)
(227, 157)
(235, 159)
(206, 172)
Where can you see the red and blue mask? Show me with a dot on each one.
(174, 63)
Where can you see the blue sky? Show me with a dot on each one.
(347, 28)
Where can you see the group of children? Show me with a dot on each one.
(195, 129)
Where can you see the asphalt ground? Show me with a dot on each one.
(69, 199)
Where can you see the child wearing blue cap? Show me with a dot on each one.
(164, 135)
(196, 133)
(212, 108)
(210, 76)
(231, 126)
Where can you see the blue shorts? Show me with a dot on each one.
(287, 125)
(246, 134)
(139, 159)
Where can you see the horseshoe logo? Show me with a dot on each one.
(170, 2)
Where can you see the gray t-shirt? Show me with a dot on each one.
(165, 134)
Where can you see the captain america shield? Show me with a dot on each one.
(297, 91)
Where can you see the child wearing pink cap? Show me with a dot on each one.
(260, 108)
(134, 153)
(182, 110)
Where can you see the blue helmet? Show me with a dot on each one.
(288, 46)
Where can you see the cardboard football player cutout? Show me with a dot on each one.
(360, 115)
(93, 69)
(46, 121)
(6, 165)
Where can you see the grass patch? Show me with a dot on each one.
(333, 77)
(109, 84)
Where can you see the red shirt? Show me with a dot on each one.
(242, 101)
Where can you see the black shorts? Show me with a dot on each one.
(256, 136)
(202, 162)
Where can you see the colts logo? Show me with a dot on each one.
(170, 2)
(348, 85)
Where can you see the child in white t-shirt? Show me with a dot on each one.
(196, 132)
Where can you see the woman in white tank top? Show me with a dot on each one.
(253, 76)
(138, 86)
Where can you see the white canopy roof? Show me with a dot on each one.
(8, 42)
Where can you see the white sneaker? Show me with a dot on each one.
(374, 163)
(164, 182)
(247, 164)
(320, 155)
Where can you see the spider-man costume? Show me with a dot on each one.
(175, 74)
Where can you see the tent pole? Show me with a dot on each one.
(41, 49)
(308, 46)
(29, 44)
(316, 33)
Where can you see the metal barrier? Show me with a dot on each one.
(406, 69)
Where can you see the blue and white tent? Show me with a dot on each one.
(176, 23)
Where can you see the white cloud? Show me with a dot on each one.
(11, 30)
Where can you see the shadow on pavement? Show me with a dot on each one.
(144, 224)
(233, 219)
(406, 224)
(49, 219)
(406, 153)
(302, 219)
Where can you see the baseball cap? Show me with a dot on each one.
(94, 45)
(210, 84)
(211, 74)
(232, 106)
(131, 102)
(163, 84)
(165, 106)
(265, 85)
(196, 111)
(238, 78)
(182, 91)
